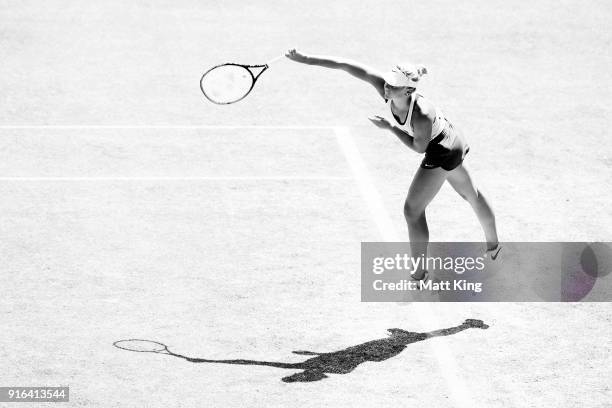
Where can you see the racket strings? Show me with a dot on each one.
(227, 83)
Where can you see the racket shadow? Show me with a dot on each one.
(337, 362)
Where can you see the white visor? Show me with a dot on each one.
(399, 79)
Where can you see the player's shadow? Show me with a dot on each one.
(346, 360)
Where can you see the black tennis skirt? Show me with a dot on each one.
(447, 150)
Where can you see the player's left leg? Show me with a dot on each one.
(424, 187)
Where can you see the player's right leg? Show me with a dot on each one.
(460, 179)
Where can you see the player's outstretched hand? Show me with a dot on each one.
(380, 122)
(295, 55)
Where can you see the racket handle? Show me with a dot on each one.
(275, 59)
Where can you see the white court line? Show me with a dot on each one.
(187, 127)
(212, 178)
(368, 190)
(458, 389)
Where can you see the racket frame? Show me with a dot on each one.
(247, 68)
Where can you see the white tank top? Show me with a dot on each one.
(436, 128)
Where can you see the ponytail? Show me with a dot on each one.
(421, 70)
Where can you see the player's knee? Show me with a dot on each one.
(412, 212)
(477, 196)
(470, 196)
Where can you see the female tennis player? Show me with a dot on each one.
(423, 128)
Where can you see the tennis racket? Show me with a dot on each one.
(229, 83)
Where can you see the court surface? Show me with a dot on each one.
(132, 208)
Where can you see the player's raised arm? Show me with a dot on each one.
(354, 68)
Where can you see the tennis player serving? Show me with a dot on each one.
(423, 128)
